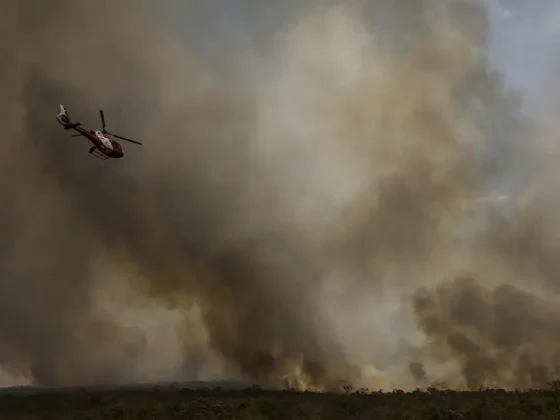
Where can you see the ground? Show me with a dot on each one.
(253, 403)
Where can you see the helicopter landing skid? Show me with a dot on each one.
(93, 151)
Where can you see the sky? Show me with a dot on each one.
(523, 37)
(523, 33)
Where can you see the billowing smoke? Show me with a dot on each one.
(310, 226)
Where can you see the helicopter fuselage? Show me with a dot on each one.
(106, 145)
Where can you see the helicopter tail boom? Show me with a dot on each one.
(64, 119)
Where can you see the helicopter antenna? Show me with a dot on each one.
(103, 121)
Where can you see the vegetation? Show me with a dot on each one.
(253, 403)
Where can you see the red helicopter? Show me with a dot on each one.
(104, 147)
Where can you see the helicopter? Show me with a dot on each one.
(104, 147)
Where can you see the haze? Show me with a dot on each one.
(327, 193)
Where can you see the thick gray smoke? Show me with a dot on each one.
(300, 229)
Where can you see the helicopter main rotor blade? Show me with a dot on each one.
(124, 138)
(103, 120)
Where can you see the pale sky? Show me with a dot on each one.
(525, 34)
(525, 38)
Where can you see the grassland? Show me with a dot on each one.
(253, 403)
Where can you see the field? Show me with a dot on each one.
(253, 403)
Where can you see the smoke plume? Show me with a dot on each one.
(332, 220)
